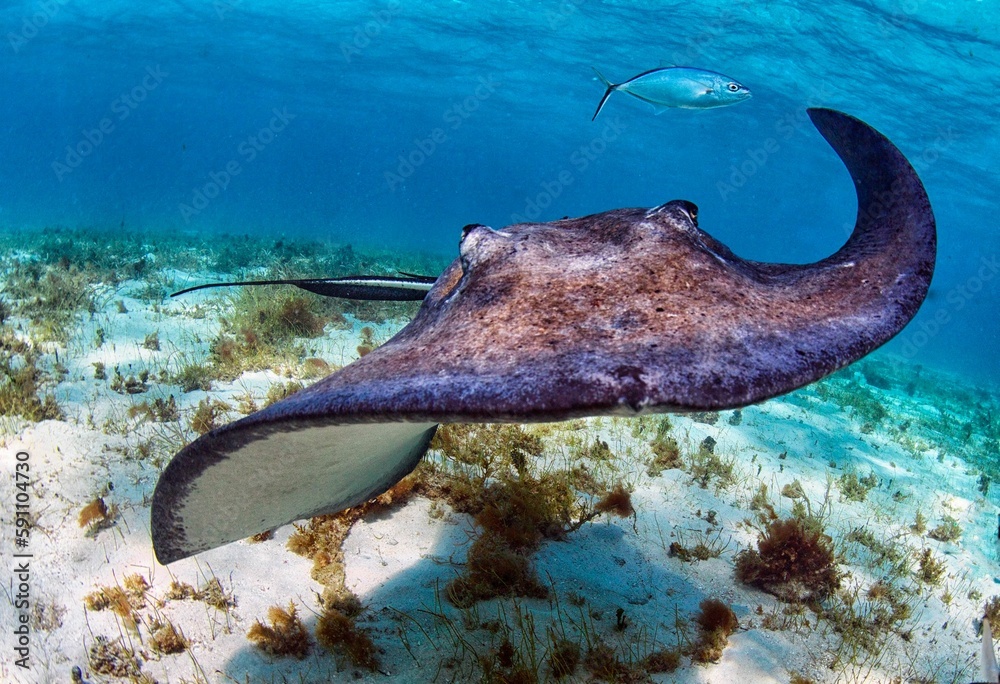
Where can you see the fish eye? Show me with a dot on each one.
(733, 87)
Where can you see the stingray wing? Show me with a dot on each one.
(264, 472)
(628, 311)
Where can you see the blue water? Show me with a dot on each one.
(393, 124)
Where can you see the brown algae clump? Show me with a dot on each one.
(490, 473)
(336, 631)
(716, 621)
(164, 637)
(794, 561)
(285, 636)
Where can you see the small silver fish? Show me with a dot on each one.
(674, 86)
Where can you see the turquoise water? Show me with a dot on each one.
(167, 130)
(395, 124)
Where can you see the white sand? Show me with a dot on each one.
(399, 563)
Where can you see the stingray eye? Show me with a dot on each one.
(469, 228)
(691, 209)
(733, 87)
(475, 243)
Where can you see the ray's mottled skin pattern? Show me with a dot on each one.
(628, 311)
(640, 310)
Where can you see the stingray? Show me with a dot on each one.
(626, 312)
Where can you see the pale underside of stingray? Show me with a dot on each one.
(626, 312)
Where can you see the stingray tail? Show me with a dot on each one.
(410, 287)
(611, 87)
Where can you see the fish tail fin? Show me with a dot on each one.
(606, 82)
(607, 93)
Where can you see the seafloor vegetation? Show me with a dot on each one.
(854, 517)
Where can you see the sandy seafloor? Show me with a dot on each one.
(397, 563)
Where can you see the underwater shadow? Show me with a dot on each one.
(600, 568)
